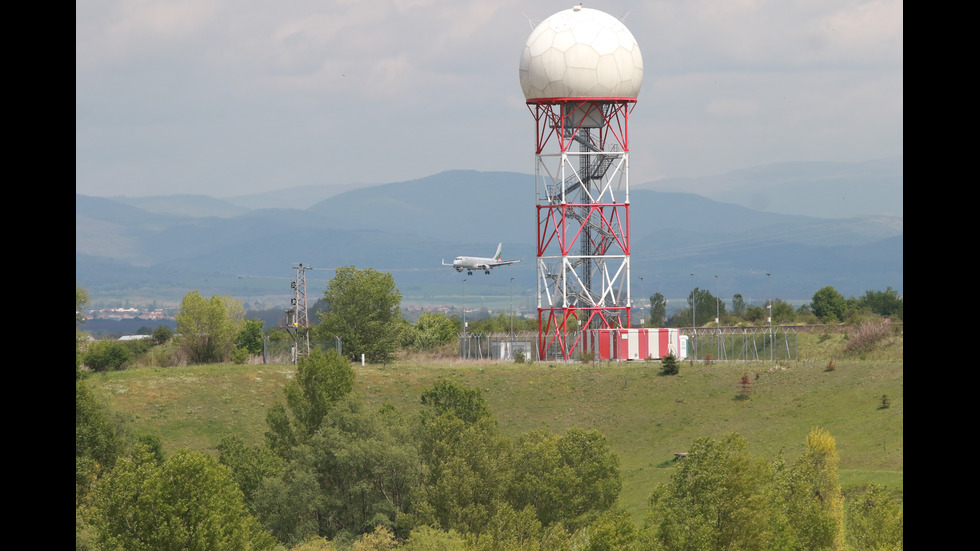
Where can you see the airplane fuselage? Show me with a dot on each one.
(470, 263)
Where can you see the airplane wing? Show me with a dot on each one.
(504, 263)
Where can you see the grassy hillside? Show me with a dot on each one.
(645, 416)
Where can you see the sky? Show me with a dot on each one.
(233, 97)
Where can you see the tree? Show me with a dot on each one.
(97, 441)
(704, 305)
(162, 334)
(107, 355)
(738, 305)
(427, 538)
(380, 540)
(250, 337)
(716, 499)
(755, 313)
(658, 311)
(466, 462)
(363, 311)
(451, 398)
(289, 506)
(782, 311)
(614, 530)
(208, 327)
(828, 305)
(668, 365)
(805, 315)
(322, 379)
(249, 465)
(465, 469)
(483, 322)
(570, 479)
(189, 502)
(81, 299)
(810, 497)
(365, 464)
(432, 329)
(875, 521)
(885, 303)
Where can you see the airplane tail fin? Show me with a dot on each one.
(500, 247)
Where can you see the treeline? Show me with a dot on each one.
(335, 473)
(826, 306)
(360, 309)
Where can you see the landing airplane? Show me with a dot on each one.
(470, 263)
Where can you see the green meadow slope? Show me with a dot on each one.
(646, 417)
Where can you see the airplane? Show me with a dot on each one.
(470, 263)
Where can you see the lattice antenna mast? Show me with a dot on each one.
(297, 316)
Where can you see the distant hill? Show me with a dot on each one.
(820, 189)
(292, 198)
(185, 205)
(406, 228)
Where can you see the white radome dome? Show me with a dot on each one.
(581, 52)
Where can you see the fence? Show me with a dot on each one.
(285, 352)
(498, 346)
(743, 343)
(723, 343)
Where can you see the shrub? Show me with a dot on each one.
(886, 402)
(744, 388)
(162, 334)
(519, 357)
(867, 336)
(165, 355)
(831, 365)
(239, 355)
(107, 355)
(669, 365)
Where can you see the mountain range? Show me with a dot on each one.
(147, 250)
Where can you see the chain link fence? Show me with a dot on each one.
(519, 345)
(725, 343)
(286, 352)
(743, 343)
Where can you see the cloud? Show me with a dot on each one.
(224, 97)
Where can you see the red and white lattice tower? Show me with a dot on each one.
(581, 71)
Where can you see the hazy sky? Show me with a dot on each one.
(229, 97)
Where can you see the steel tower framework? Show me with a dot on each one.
(297, 321)
(583, 242)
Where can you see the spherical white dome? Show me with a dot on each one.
(581, 52)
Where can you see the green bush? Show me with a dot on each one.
(106, 355)
(162, 334)
(239, 355)
(669, 365)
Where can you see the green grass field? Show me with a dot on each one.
(645, 416)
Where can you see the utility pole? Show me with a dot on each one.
(769, 308)
(297, 321)
(694, 310)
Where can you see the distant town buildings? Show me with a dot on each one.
(130, 313)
